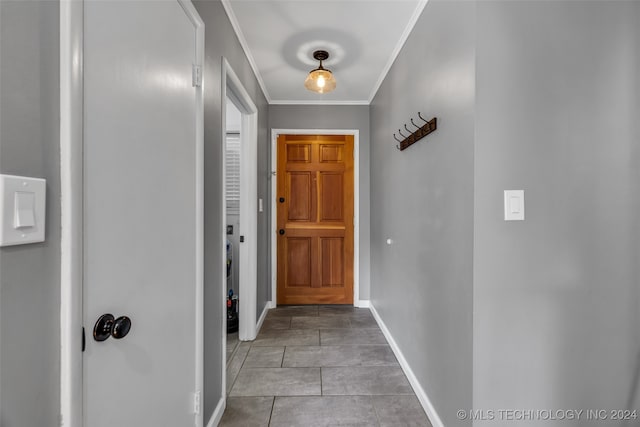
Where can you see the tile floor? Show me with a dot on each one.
(232, 344)
(314, 366)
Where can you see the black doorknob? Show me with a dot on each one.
(108, 326)
(281, 231)
(281, 199)
(102, 328)
(121, 327)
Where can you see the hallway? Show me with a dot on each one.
(319, 366)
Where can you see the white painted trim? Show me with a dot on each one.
(245, 46)
(71, 210)
(428, 407)
(218, 412)
(356, 204)
(195, 18)
(396, 51)
(363, 303)
(298, 102)
(223, 231)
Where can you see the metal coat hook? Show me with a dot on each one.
(400, 141)
(418, 134)
(419, 129)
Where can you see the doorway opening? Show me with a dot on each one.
(240, 137)
(232, 220)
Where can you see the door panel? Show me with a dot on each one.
(140, 212)
(331, 197)
(331, 153)
(299, 262)
(300, 196)
(299, 153)
(315, 219)
(332, 261)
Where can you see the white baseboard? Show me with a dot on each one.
(272, 304)
(267, 306)
(417, 388)
(217, 414)
(363, 303)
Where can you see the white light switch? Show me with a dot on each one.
(25, 205)
(514, 205)
(22, 210)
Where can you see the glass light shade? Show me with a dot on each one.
(320, 81)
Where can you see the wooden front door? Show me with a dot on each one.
(315, 219)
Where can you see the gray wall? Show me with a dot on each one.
(30, 274)
(337, 117)
(422, 198)
(556, 296)
(221, 40)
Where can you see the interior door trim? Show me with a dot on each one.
(71, 272)
(356, 206)
(71, 22)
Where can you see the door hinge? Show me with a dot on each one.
(197, 396)
(84, 340)
(196, 75)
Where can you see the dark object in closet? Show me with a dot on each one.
(232, 312)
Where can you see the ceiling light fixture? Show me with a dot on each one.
(320, 80)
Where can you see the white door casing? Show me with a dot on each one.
(143, 212)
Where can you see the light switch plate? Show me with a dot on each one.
(514, 205)
(22, 210)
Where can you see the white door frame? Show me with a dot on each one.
(71, 176)
(356, 206)
(233, 89)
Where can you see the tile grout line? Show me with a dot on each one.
(239, 370)
(320, 346)
(273, 404)
(375, 411)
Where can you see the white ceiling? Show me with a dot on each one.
(362, 37)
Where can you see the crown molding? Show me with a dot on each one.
(335, 102)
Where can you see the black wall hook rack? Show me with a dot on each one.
(418, 134)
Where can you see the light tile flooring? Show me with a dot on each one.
(232, 344)
(314, 366)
